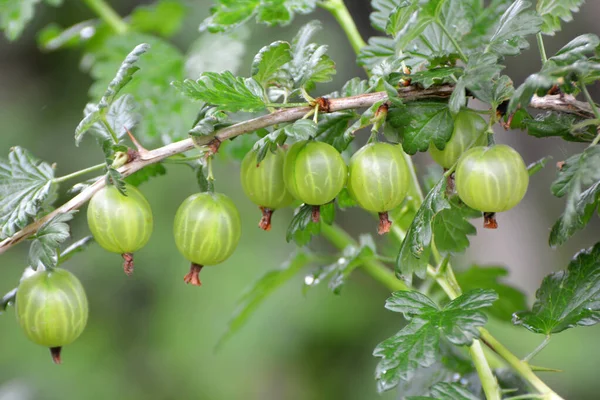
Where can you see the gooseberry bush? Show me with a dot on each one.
(432, 82)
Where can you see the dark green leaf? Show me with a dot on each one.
(302, 227)
(144, 174)
(74, 248)
(568, 298)
(302, 129)
(420, 123)
(163, 18)
(381, 12)
(510, 299)
(341, 142)
(418, 343)
(579, 172)
(26, 188)
(344, 200)
(225, 91)
(428, 78)
(339, 271)
(208, 121)
(451, 391)
(43, 251)
(576, 49)
(261, 289)
(451, 228)
(538, 165)
(416, 246)
(332, 126)
(553, 11)
(114, 177)
(517, 22)
(378, 50)
(558, 124)
(269, 61)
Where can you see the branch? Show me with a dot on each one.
(566, 104)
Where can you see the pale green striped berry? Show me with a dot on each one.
(120, 224)
(467, 133)
(52, 309)
(207, 230)
(491, 179)
(314, 172)
(263, 183)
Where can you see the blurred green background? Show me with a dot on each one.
(152, 337)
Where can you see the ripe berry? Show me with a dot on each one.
(491, 179)
(120, 224)
(52, 309)
(207, 230)
(263, 183)
(379, 180)
(314, 173)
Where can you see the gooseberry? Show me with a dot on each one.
(52, 309)
(207, 230)
(120, 224)
(379, 180)
(263, 183)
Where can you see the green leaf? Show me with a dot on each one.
(338, 272)
(553, 11)
(378, 50)
(163, 18)
(381, 12)
(416, 246)
(567, 299)
(515, 24)
(331, 128)
(7, 300)
(144, 174)
(209, 120)
(579, 172)
(76, 247)
(450, 391)
(451, 228)
(43, 251)
(228, 14)
(302, 227)
(26, 189)
(261, 289)
(302, 129)
(510, 299)
(16, 14)
(269, 61)
(418, 343)
(576, 49)
(538, 165)
(420, 123)
(344, 200)
(52, 37)
(558, 124)
(428, 78)
(225, 91)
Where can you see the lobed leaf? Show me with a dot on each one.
(562, 125)
(451, 228)
(26, 189)
(517, 22)
(566, 299)
(269, 60)
(553, 11)
(43, 251)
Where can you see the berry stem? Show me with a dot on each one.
(316, 214)
(77, 174)
(193, 276)
(55, 353)
(384, 223)
(489, 220)
(127, 263)
(265, 221)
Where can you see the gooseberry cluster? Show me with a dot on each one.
(52, 306)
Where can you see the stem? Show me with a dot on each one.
(340, 12)
(104, 11)
(79, 173)
(589, 99)
(378, 271)
(486, 376)
(540, 42)
(110, 130)
(519, 366)
(454, 42)
(538, 349)
(287, 105)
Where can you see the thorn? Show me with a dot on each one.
(137, 144)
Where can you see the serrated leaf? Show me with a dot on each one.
(332, 126)
(451, 228)
(428, 78)
(420, 123)
(576, 49)
(209, 120)
(415, 250)
(418, 343)
(553, 11)
(516, 23)
(225, 91)
(338, 272)
(163, 18)
(114, 177)
(228, 14)
(76, 247)
(579, 172)
(509, 300)
(43, 251)
(378, 50)
(262, 288)
(26, 188)
(451, 391)
(302, 227)
(269, 61)
(381, 12)
(302, 129)
(566, 299)
(563, 125)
